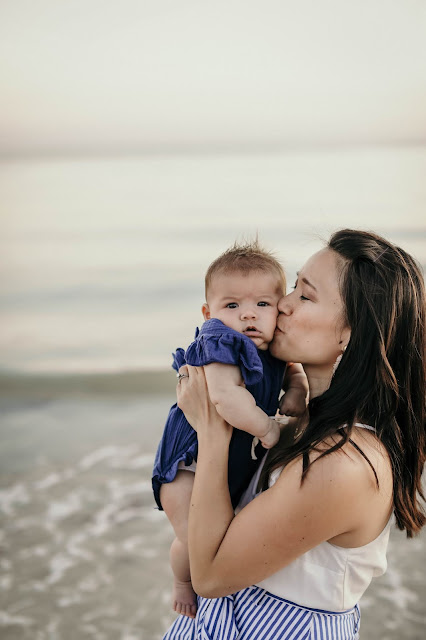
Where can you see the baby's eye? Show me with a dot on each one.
(231, 305)
(263, 304)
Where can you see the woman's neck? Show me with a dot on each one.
(319, 381)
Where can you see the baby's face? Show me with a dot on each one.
(245, 303)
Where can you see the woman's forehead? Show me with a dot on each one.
(321, 273)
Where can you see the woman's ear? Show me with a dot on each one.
(345, 336)
(205, 311)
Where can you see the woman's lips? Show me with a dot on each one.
(278, 330)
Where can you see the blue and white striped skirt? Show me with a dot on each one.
(256, 614)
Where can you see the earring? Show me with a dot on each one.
(338, 359)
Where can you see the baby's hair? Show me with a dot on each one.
(246, 258)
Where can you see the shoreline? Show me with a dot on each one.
(158, 382)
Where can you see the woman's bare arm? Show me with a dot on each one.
(230, 552)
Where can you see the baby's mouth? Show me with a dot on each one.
(251, 330)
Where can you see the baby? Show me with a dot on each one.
(243, 287)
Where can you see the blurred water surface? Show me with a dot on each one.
(103, 259)
(101, 278)
(84, 553)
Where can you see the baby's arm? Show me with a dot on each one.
(295, 385)
(236, 405)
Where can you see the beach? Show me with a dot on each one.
(84, 550)
(103, 260)
(140, 141)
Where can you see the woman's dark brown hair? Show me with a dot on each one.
(381, 378)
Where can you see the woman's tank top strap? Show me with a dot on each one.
(256, 613)
(361, 426)
(364, 426)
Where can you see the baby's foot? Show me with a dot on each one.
(184, 598)
(272, 436)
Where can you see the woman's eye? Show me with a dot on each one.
(231, 305)
(301, 297)
(263, 304)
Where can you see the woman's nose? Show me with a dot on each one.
(284, 305)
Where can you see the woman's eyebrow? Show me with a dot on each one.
(306, 281)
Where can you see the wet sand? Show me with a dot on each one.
(84, 552)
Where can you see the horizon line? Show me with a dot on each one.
(201, 149)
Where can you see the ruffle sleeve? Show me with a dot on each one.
(216, 342)
(178, 444)
(178, 359)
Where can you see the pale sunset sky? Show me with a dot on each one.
(104, 76)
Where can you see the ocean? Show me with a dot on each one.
(102, 272)
(103, 260)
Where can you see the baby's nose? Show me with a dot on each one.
(248, 312)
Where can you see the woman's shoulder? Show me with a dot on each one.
(362, 452)
(354, 466)
(354, 480)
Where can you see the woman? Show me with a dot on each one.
(295, 561)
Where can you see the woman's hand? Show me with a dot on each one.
(210, 511)
(194, 400)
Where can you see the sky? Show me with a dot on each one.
(145, 75)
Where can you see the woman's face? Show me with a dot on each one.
(310, 326)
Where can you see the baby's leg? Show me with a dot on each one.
(175, 499)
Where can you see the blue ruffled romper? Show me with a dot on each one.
(263, 375)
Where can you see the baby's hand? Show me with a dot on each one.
(272, 436)
(293, 402)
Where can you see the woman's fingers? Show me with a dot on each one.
(194, 400)
(192, 394)
(182, 374)
(191, 383)
(194, 375)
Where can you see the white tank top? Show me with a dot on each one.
(326, 577)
